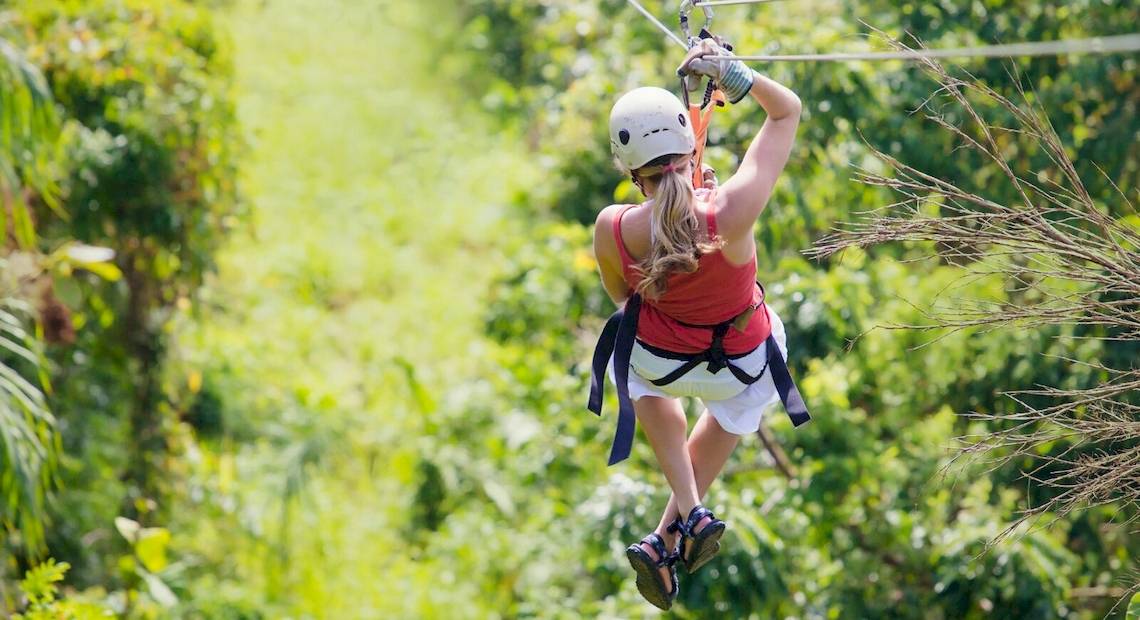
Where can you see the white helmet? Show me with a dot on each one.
(647, 123)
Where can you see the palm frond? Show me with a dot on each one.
(29, 139)
(27, 450)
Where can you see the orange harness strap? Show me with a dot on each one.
(701, 120)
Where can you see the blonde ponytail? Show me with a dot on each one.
(675, 230)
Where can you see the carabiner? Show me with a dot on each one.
(686, 8)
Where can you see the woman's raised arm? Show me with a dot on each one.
(746, 193)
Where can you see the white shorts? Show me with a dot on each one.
(737, 407)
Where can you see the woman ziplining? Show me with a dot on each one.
(680, 267)
(692, 319)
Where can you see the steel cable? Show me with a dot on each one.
(1096, 45)
(727, 2)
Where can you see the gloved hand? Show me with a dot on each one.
(733, 77)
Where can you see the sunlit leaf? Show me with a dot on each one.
(108, 271)
(151, 547)
(128, 528)
(158, 590)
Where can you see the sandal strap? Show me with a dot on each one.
(676, 526)
(653, 540)
(698, 513)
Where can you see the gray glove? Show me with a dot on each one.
(731, 76)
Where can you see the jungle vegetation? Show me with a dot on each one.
(297, 301)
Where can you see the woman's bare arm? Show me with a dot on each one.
(744, 195)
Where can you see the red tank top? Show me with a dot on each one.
(717, 291)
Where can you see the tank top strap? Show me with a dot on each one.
(626, 259)
(710, 212)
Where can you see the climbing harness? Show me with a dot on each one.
(617, 340)
(620, 332)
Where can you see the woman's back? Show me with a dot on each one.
(719, 290)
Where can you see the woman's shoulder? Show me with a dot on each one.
(604, 224)
(604, 241)
(608, 234)
(606, 217)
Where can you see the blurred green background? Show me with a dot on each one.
(336, 365)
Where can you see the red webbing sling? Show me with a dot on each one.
(701, 120)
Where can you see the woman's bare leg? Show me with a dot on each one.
(709, 449)
(665, 425)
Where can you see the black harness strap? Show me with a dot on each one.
(714, 356)
(617, 339)
(786, 386)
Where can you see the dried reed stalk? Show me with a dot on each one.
(1066, 261)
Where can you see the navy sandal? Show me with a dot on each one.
(649, 581)
(700, 547)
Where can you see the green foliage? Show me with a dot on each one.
(375, 409)
(29, 136)
(41, 590)
(39, 584)
(149, 558)
(118, 122)
(576, 58)
(549, 290)
(28, 449)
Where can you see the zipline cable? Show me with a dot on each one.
(699, 3)
(663, 27)
(1097, 45)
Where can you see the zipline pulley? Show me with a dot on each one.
(686, 31)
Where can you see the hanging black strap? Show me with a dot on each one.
(617, 339)
(785, 386)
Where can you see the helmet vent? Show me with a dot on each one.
(623, 135)
(681, 117)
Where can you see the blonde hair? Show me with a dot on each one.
(677, 244)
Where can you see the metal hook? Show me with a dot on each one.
(687, 7)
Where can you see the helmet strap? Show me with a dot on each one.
(637, 182)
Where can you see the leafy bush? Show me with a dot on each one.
(142, 165)
(382, 394)
(43, 602)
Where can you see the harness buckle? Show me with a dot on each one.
(718, 358)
